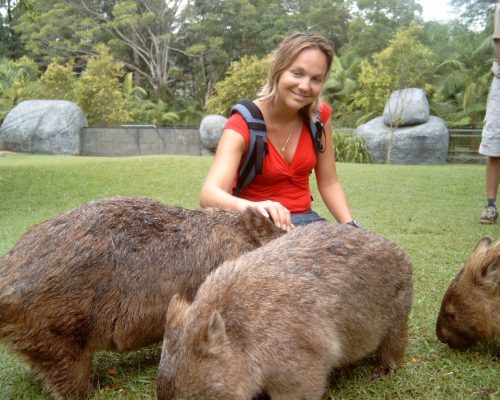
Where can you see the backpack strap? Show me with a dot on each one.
(316, 129)
(257, 146)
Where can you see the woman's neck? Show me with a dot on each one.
(279, 113)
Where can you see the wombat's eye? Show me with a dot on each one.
(449, 316)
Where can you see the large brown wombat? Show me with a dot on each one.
(100, 277)
(470, 310)
(280, 318)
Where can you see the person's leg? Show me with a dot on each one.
(492, 177)
(490, 213)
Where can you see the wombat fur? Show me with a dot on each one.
(100, 277)
(279, 319)
(470, 309)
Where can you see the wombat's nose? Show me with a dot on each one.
(441, 333)
(455, 339)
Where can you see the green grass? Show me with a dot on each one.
(429, 210)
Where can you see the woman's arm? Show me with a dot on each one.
(216, 190)
(329, 186)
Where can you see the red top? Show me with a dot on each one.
(280, 181)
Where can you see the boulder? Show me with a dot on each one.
(406, 107)
(43, 126)
(420, 144)
(211, 128)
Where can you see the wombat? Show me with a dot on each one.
(100, 277)
(279, 319)
(470, 309)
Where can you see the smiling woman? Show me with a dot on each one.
(288, 102)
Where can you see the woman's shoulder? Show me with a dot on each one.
(325, 111)
(237, 123)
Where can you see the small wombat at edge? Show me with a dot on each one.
(470, 309)
(279, 319)
(100, 277)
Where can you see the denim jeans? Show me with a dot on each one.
(306, 218)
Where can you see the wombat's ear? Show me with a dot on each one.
(483, 242)
(489, 274)
(216, 333)
(175, 312)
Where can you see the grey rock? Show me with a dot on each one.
(211, 128)
(43, 126)
(406, 107)
(420, 144)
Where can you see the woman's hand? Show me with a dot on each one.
(276, 211)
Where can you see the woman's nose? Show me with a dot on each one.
(304, 84)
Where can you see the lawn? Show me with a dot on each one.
(429, 210)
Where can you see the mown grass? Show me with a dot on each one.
(430, 210)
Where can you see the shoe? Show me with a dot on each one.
(489, 216)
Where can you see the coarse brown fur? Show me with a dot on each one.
(470, 309)
(100, 277)
(280, 318)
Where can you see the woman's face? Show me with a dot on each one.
(301, 83)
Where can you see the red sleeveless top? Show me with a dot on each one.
(280, 181)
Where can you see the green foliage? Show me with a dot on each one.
(474, 12)
(153, 112)
(244, 79)
(99, 92)
(17, 82)
(462, 77)
(339, 90)
(179, 52)
(105, 94)
(57, 82)
(374, 24)
(350, 149)
(11, 46)
(404, 63)
(51, 29)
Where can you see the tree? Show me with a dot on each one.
(99, 92)
(330, 18)
(17, 82)
(375, 23)
(475, 13)
(243, 81)
(404, 63)
(57, 82)
(462, 77)
(139, 32)
(10, 44)
(339, 90)
(249, 28)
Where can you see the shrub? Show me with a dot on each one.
(99, 90)
(244, 79)
(350, 149)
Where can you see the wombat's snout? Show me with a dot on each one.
(455, 338)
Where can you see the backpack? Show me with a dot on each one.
(257, 146)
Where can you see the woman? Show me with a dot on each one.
(297, 73)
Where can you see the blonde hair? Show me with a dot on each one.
(285, 54)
